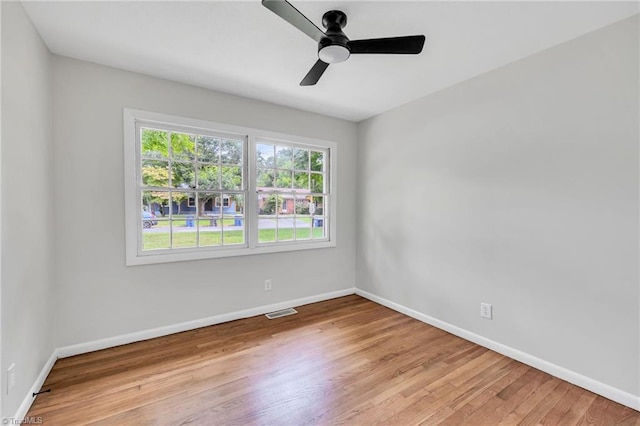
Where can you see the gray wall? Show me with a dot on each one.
(27, 213)
(517, 188)
(97, 296)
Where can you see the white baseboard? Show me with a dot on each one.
(110, 342)
(610, 392)
(36, 387)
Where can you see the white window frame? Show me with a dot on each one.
(133, 224)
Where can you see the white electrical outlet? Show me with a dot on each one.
(486, 310)
(267, 285)
(11, 378)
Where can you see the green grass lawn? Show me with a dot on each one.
(287, 234)
(161, 240)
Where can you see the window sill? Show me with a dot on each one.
(200, 254)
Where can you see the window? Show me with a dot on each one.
(291, 192)
(196, 190)
(181, 171)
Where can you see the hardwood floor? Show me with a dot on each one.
(344, 361)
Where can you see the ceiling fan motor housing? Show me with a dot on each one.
(335, 47)
(334, 19)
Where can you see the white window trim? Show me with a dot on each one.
(132, 203)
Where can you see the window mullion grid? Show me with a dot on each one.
(170, 175)
(277, 213)
(293, 194)
(295, 217)
(249, 188)
(197, 218)
(220, 193)
(251, 202)
(245, 187)
(222, 217)
(196, 190)
(308, 171)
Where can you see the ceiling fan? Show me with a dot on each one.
(333, 45)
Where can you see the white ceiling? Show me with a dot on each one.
(240, 47)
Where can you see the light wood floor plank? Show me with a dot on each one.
(344, 361)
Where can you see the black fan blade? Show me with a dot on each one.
(409, 45)
(286, 11)
(314, 73)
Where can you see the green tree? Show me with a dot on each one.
(154, 175)
(217, 179)
(222, 170)
(155, 144)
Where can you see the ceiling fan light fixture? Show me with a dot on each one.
(334, 54)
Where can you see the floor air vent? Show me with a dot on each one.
(281, 313)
